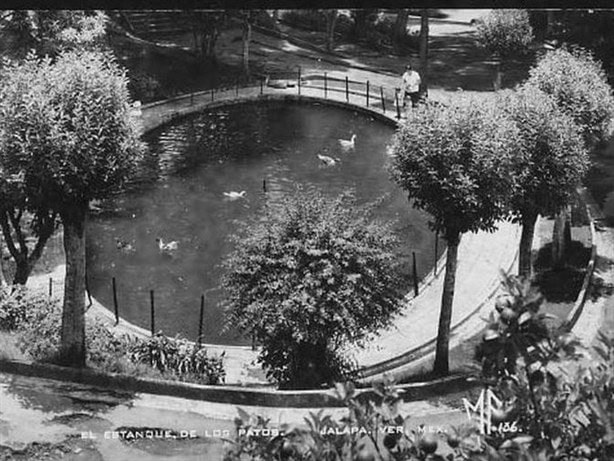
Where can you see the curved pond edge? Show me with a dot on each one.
(237, 395)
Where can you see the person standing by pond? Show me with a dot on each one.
(410, 86)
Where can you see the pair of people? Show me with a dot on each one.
(410, 86)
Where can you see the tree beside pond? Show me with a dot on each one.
(312, 277)
(550, 162)
(66, 131)
(578, 85)
(454, 162)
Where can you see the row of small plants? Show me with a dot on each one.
(36, 320)
(556, 401)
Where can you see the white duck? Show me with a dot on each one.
(326, 160)
(168, 247)
(348, 144)
(233, 195)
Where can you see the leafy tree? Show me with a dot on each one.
(579, 87)
(67, 131)
(312, 276)
(550, 162)
(14, 207)
(505, 33)
(49, 32)
(455, 163)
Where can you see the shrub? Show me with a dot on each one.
(38, 319)
(177, 356)
(311, 276)
(12, 308)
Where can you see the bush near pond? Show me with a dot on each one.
(313, 276)
(36, 321)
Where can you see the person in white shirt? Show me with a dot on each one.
(410, 86)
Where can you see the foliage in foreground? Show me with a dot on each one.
(36, 320)
(557, 400)
(313, 276)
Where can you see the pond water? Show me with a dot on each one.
(179, 196)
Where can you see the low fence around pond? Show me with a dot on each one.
(416, 283)
(363, 94)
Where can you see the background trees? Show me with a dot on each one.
(49, 32)
(313, 276)
(504, 33)
(454, 163)
(67, 133)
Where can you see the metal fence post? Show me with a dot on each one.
(347, 89)
(325, 86)
(299, 80)
(367, 93)
(396, 101)
(436, 250)
(381, 91)
(153, 323)
(415, 271)
(200, 319)
(115, 306)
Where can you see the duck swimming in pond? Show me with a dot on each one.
(168, 247)
(348, 144)
(232, 195)
(327, 161)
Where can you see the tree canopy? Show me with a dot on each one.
(312, 276)
(578, 84)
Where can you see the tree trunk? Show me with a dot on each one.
(498, 77)
(2, 277)
(424, 51)
(247, 37)
(561, 237)
(442, 365)
(400, 29)
(24, 262)
(331, 21)
(22, 271)
(72, 350)
(526, 242)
